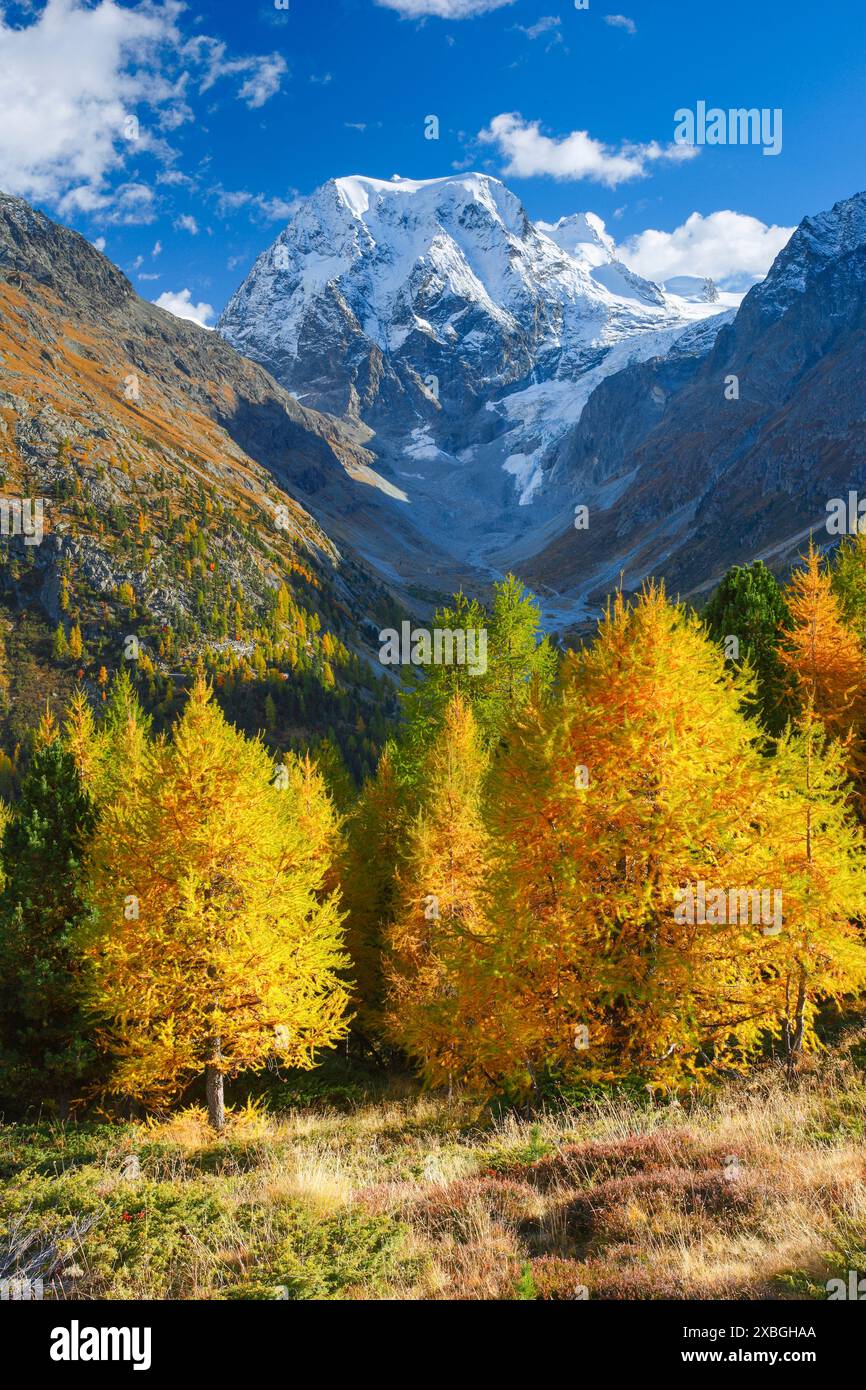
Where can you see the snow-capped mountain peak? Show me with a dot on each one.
(587, 243)
(445, 277)
(583, 236)
(465, 336)
(818, 242)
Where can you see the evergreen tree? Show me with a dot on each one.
(45, 1053)
(518, 660)
(338, 779)
(371, 858)
(749, 605)
(849, 581)
(430, 689)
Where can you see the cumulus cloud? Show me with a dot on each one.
(85, 87)
(731, 248)
(277, 209)
(128, 204)
(180, 304)
(443, 9)
(185, 223)
(67, 83)
(621, 21)
(529, 152)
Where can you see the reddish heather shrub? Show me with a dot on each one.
(556, 1279)
(448, 1210)
(577, 1165)
(620, 1208)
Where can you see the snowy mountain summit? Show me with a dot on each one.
(466, 337)
(376, 286)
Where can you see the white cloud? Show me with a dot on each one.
(263, 74)
(129, 204)
(180, 304)
(735, 250)
(443, 9)
(86, 86)
(277, 209)
(157, 250)
(264, 80)
(274, 209)
(99, 243)
(542, 26)
(230, 200)
(530, 153)
(67, 84)
(185, 223)
(621, 21)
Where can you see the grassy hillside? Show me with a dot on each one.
(755, 1192)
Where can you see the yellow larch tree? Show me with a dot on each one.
(436, 945)
(215, 944)
(824, 657)
(819, 860)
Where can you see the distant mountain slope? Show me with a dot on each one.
(626, 409)
(175, 475)
(685, 481)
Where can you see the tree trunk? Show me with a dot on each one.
(214, 1082)
(794, 1036)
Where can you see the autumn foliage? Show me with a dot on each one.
(570, 868)
(213, 946)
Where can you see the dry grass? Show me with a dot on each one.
(754, 1192)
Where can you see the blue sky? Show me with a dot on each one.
(243, 107)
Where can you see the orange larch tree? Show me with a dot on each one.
(824, 657)
(638, 803)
